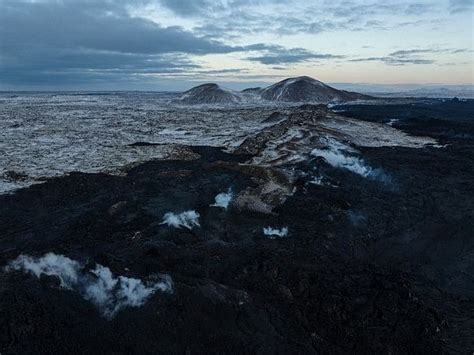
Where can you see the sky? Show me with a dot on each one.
(176, 44)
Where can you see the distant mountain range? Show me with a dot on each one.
(410, 90)
(301, 89)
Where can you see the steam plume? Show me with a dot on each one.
(108, 293)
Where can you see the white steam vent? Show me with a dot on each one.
(339, 155)
(223, 199)
(188, 219)
(274, 232)
(338, 159)
(108, 293)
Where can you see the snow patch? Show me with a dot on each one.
(99, 286)
(392, 121)
(317, 180)
(321, 181)
(188, 219)
(274, 232)
(223, 199)
(173, 132)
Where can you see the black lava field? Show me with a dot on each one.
(369, 265)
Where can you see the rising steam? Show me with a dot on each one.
(342, 156)
(223, 199)
(188, 219)
(108, 293)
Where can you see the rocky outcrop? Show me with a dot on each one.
(256, 90)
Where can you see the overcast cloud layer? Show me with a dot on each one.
(171, 44)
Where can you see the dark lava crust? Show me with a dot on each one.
(368, 267)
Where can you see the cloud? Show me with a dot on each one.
(410, 56)
(192, 8)
(277, 55)
(394, 60)
(52, 42)
(456, 6)
(78, 42)
(55, 66)
(403, 61)
(402, 53)
(95, 27)
(236, 19)
(237, 24)
(418, 8)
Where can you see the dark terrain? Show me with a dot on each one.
(370, 267)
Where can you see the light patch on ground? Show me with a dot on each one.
(320, 181)
(293, 140)
(275, 232)
(53, 134)
(372, 134)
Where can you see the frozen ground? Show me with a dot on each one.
(50, 134)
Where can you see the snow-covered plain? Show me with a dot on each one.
(43, 135)
(51, 134)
